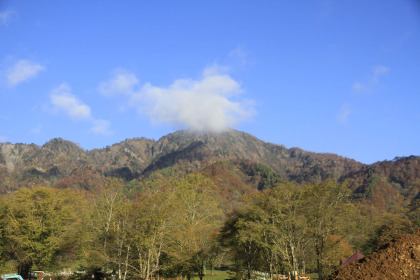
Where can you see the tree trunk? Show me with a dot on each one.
(148, 264)
(24, 269)
(126, 263)
(320, 265)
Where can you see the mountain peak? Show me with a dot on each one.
(61, 145)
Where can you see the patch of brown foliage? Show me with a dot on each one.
(400, 259)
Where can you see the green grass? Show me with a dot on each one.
(217, 275)
(313, 275)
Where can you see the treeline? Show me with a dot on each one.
(170, 228)
(291, 228)
(177, 227)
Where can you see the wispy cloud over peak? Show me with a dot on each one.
(207, 104)
(123, 82)
(101, 127)
(214, 81)
(22, 71)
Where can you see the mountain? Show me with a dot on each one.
(246, 160)
(132, 158)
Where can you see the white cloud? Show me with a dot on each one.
(359, 87)
(6, 16)
(240, 57)
(344, 113)
(123, 82)
(22, 71)
(215, 69)
(37, 129)
(378, 71)
(64, 101)
(210, 103)
(373, 79)
(101, 127)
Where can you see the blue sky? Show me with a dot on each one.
(326, 76)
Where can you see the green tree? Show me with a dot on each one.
(269, 232)
(106, 232)
(326, 210)
(245, 234)
(195, 223)
(285, 205)
(40, 225)
(278, 230)
(151, 219)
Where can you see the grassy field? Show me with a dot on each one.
(217, 275)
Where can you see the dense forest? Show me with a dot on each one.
(170, 208)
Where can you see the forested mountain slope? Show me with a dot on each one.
(21, 164)
(240, 158)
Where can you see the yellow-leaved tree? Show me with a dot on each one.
(40, 225)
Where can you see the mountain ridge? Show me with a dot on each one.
(62, 163)
(143, 156)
